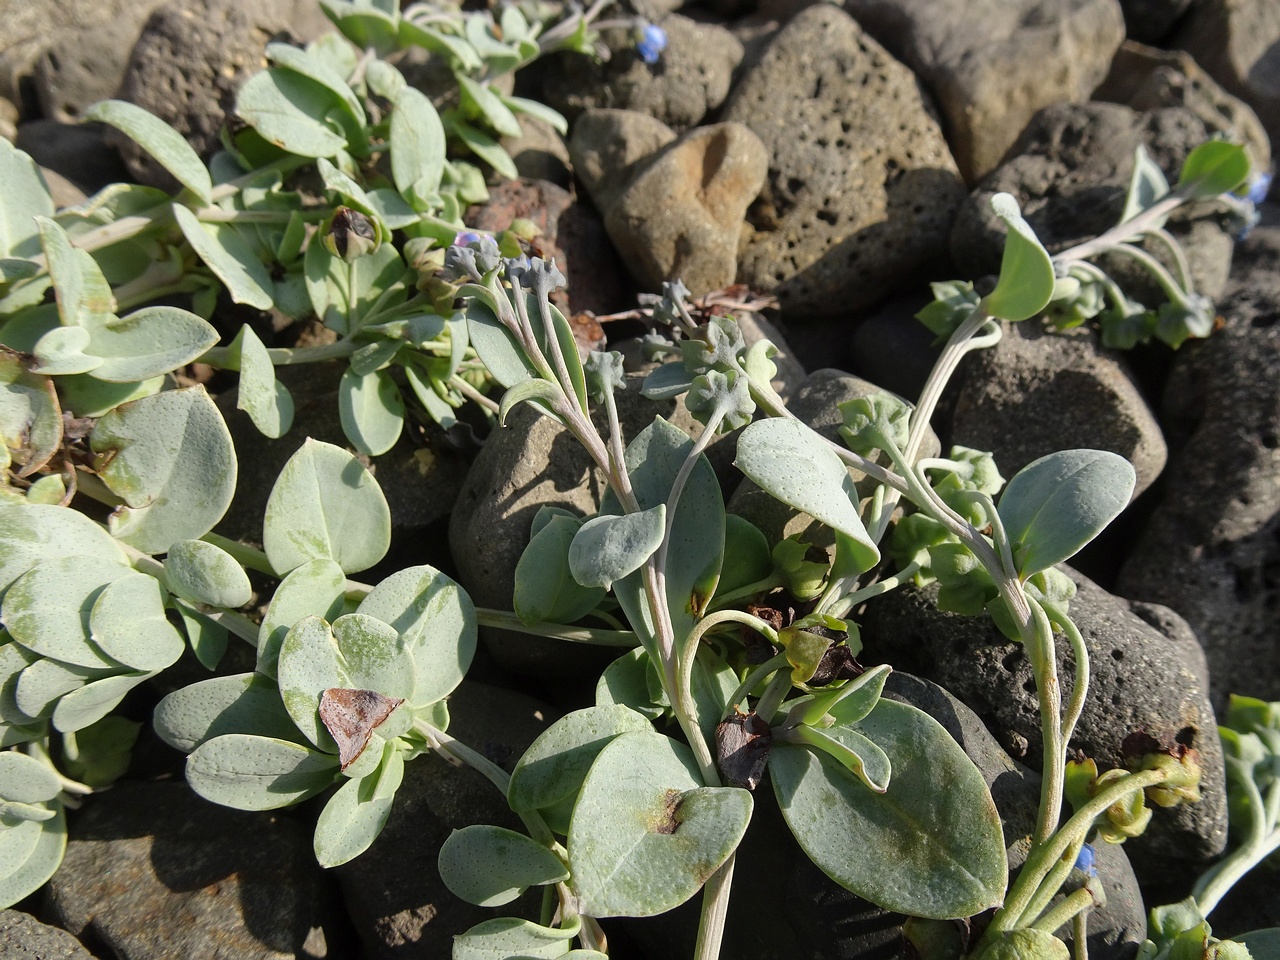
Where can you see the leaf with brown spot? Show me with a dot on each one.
(351, 716)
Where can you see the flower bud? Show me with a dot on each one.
(350, 235)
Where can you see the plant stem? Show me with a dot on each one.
(715, 909)
(842, 608)
(1131, 229)
(1075, 903)
(221, 357)
(1080, 689)
(506, 620)
(1045, 855)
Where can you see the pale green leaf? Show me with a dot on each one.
(30, 419)
(313, 67)
(437, 622)
(545, 589)
(148, 343)
(33, 533)
(417, 144)
(166, 145)
(504, 938)
(287, 109)
(326, 504)
(1213, 168)
(1026, 270)
(204, 573)
(88, 704)
(47, 610)
(490, 866)
(646, 834)
(266, 400)
(607, 548)
(244, 703)
(25, 197)
(315, 588)
(356, 814)
(128, 623)
(231, 259)
(258, 773)
(40, 864)
(1057, 504)
(372, 411)
(170, 458)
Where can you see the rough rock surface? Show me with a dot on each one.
(1148, 78)
(1148, 673)
(1037, 392)
(1238, 44)
(609, 147)
(1211, 550)
(23, 937)
(861, 188)
(690, 78)
(1069, 172)
(188, 65)
(681, 217)
(75, 151)
(992, 64)
(87, 64)
(152, 871)
(539, 153)
(398, 903)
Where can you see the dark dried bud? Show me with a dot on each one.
(742, 749)
(837, 663)
(351, 235)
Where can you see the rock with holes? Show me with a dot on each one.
(152, 871)
(1150, 21)
(23, 937)
(681, 217)
(1211, 550)
(610, 147)
(393, 892)
(861, 189)
(1038, 391)
(1070, 170)
(192, 58)
(690, 78)
(1148, 674)
(1238, 44)
(991, 64)
(1148, 78)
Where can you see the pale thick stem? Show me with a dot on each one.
(1075, 903)
(715, 909)
(506, 620)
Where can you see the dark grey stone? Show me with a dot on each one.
(23, 937)
(1211, 549)
(991, 64)
(1149, 21)
(861, 190)
(397, 901)
(77, 151)
(1141, 680)
(1036, 392)
(153, 872)
(690, 79)
(1069, 171)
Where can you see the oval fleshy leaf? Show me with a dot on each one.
(545, 589)
(793, 464)
(1057, 504)
(317, 588)
(258, 773)
(1146, 186)
(170, 458)
(285, 108)
(26, 196)
(607, 548)
(87, 705)
(856, 753)
(30, 418)
(47, 610)
(356, 814)
(39, 865)
(1212, 169)
(646, 835)
(204, 573)
(33, 533)
(1026, 270)
(227, 254)
(42, 684)
(166, 145)
(128, 623)
(490, 866)
(25, 779)
(937, 817)
(417, 144)
(557, 762)
(148, 343)
(372, 411)
(326, 504)
(436, 621)
(505, 937)
(626, 682)
(244, 703)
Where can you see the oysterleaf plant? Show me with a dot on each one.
(338, 195)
